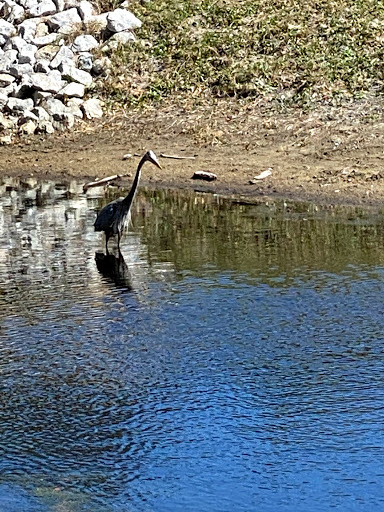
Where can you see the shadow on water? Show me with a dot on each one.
(243, 372)
(114, 268)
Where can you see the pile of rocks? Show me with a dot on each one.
(46, 61)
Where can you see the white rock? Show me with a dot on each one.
(47, 52)
(7, 59)
(55, 75)
(27, 30)
(28, 4)
(42, 66)
(6, 79)
(41, 114)
(124, 37)
(67, 120)
(3, 99)
(13, 12)
(64, 53)
(66, 63)
(69, 17)
(20, 70)
(86, 10)
(11, 55)
(26, 116)
(54, 107)
(72, 89)
(119, 39)
(7, 123)
(67, 30)
(45, 127)
(28, 128)
(60, 5)
(27, 54)
(100, 21)
(45, 40)
(5, 140)
(92, 108)
(73, 106)
(16, 43)
(73, 74)
(84, 43)
(19, 105)
(120, 19)
(7, 29)
(43, 8)
(7, 91)
(5, 5)
(69, 4)
(75, 101)
(42, 29)
(40, 96)
(46, 82)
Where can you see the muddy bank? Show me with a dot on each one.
(313, 157)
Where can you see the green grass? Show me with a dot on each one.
(286, 51)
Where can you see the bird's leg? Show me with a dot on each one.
(118, 241)
(106, 243)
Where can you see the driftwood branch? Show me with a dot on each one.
(176, 157)
(103, 181)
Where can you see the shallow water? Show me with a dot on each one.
(231, 361)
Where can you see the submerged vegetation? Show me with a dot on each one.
(284, 51)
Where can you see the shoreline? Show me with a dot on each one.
(333, 165)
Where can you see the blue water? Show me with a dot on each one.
(196, 379)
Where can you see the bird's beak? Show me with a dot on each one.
(151, 157)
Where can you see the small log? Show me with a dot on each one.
(204, 175)
(176, 157)
(103, 181)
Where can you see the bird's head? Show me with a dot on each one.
(151, 157)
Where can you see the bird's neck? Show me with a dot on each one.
(128, 200)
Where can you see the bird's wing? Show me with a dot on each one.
(106, 216)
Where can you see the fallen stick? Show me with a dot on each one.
(98, 183)
(175, 157)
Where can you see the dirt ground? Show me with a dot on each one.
(332, 156)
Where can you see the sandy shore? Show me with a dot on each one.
(313, 157)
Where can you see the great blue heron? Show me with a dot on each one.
(112, 218)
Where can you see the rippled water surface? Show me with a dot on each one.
(232, 360)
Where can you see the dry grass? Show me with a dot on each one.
(285, 52)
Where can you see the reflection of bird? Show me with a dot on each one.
(114, 268)
(112, 218)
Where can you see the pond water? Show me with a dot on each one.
(232, 360)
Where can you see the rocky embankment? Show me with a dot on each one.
(51, 51)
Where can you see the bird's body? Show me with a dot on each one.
(114, 217)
